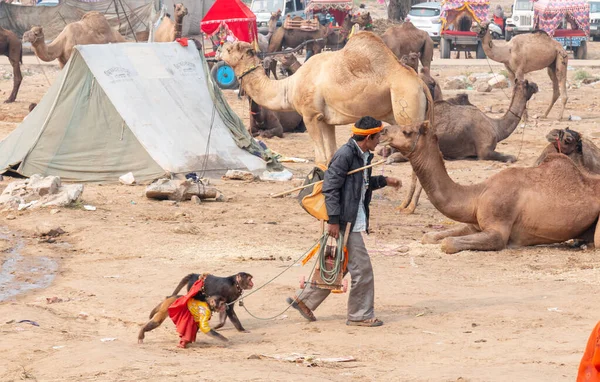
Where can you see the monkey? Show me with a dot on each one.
(201, 316)
(230, 288)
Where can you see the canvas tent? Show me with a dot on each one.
(144, 108)
(20, 19)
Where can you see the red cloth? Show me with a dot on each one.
(236, 15)
(589, 368)
(181, 316)
(183, 41)
(499, 21)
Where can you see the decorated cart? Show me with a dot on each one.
(457, 17)
(555, 16)
(228, 20)
(329, 10)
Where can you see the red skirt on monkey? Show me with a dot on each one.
(179, 311)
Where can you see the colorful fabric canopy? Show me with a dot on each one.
(549, 14)
(337, 8)
(478, 9)
(233, 18)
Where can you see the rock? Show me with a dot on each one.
(484, 87)
(477, 77)
(47, 229)
(43, 186)
(178, 190)
(10, 217)
(196, 199)
(127, 179)
(238, 175)
(186, 228)
(54, 211)
(589, 81)
(574, 118)
(498, 82)
(456, 83)
(66, 195)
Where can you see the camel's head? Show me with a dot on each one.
(276, 15)
(480, 28)
(525, 87)
(363, 19)
(565, 141)
(411, 60)
(240, 55)
(180, 10)
(287, 60)
(405, 138)
(34, 35)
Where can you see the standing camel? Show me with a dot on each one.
(337, 88)
(527, 53)
(520, 206)
(91, 29)
(11, 47)
(168, 30)
(406, 38)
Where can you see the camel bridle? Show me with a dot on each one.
(414, 145)
(249, 70)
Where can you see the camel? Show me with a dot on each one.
(91, 29)
(337, 88)
(465, 132)
(582, 151)
(339, 36)
(263, 40)
(11, 47)
(508, 209)
(406, 38)
(168, 30)
(412, 60)
(527, 53)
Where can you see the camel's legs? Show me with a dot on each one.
(415, 200)
(315, 130)
(555, 88)
(489, 240)
(411, 191)
(561, 73)
(495, 155)
(17, 78)
(436, 237)
(330, 144)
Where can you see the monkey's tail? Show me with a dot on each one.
(183, 283)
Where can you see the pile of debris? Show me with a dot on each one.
(482, 82)
(179, 189)
(39, 191)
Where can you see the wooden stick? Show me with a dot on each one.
(320, 181)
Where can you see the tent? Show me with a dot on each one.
(150, 109)
(549, 14)
(19, 19)
(235, 16)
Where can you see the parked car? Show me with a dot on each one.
(595, 20)
(426, 16)
(263, 9)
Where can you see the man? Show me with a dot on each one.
(347, 199)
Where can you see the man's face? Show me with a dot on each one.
(373, 141)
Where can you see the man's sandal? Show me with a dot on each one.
(302, 308)
(371, 322)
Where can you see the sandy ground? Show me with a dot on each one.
(518, 315)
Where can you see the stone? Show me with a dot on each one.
(48, 229)
(455, 83)
(43, 186)
(54, 211)
(186, 228)
(67, 195)
(178, 190)
(484, 87)
(498, 82)
(477, 77)
(127, 179)
(196, 199)
(10, 217)
(239, 175)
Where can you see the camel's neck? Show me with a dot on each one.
(347, 25)
(46, 52)
(493, 51)
(178, 26)
(452, 199)
(274, 95)
(508, 123)
(294, 67)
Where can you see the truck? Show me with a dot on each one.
(521, 20)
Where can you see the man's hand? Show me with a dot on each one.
(394, 182)
(333, 230)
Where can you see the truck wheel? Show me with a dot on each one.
(224, 76)
(508, 35)
(581, 52)
(480, 52)
(445, 48)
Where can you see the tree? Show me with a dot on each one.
(398, 9)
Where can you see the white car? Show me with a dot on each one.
(426, 16)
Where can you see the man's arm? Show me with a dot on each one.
(380, 181)
(335, 176)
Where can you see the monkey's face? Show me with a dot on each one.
(244, 280)
(216, 303)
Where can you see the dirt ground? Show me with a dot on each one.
(515, 315)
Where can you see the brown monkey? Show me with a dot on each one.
(231, 288)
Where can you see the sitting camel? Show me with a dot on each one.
(11, 47)
(509, 208)
(337, 88)
(169, 31)
(527, 53)
(464, 132)
(406, 38)
(582, 151)
(91, 29)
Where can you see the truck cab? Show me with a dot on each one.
(263, 9)
(595, 20)
(521, 20)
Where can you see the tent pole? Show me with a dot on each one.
(127, 18)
